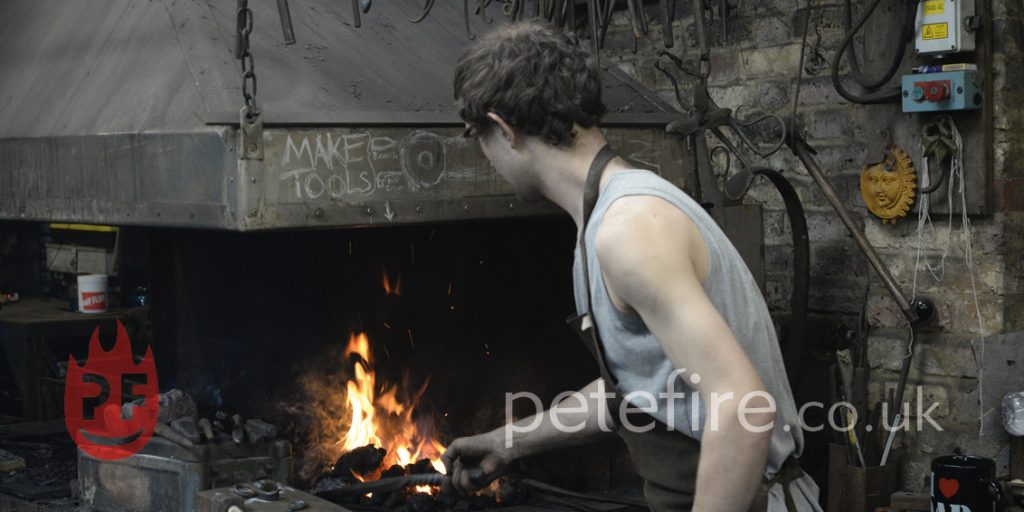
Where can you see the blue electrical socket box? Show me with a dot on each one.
(942, 92)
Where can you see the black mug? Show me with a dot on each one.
(961, 483)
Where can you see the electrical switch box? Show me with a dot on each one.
(942, 92)
(944, 27)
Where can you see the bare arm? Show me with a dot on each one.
(582, 417)
(654, 259)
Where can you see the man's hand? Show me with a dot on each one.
(473, 462)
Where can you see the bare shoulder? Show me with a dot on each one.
(645, 241)
(629, 213)
(642, 227)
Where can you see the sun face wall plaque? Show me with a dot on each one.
(888, 187)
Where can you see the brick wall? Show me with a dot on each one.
(757, 68)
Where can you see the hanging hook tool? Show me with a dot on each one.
(606, 21)
(723, 12)
(671, 78)
(668, 8)
(465, 18)
(702, 40)
(558, 14)
(592, 17)
(481, 9)
(738, 127)
(426, 11)
(356, 21)
(641, 14)
(512, 8)
(286, 21)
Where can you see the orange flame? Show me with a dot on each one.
(367, 413)
(389, 288)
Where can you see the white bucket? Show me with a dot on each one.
(92, 293)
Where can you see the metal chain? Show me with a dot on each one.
(244, 24)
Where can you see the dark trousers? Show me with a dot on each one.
(667, 461)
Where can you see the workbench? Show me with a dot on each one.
(26, 327)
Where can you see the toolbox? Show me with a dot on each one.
(166, 477)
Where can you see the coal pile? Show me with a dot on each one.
(364, 465)
(38, 466)
(179, 421)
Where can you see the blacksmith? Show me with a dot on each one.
(675, 319)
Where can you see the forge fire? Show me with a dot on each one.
(348, 410)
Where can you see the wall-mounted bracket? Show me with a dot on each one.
(251, 132)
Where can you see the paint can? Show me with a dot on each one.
(92, 293)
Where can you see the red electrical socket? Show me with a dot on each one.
(935, 90)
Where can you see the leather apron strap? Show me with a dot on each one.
(584, 324)
(787, 474)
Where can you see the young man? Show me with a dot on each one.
(682, 330)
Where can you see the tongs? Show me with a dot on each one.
(385, 485)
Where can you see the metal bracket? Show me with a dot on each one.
(251, 131)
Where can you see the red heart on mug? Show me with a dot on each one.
(949, 487)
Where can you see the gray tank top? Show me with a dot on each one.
(633, 355)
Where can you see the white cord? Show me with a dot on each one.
(955, 185)
(966, 235)
(922, 217)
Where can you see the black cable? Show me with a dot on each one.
(894, 65)
(875, 97)
(932, 187)
(793, 351)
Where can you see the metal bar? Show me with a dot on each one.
(285, 14)
(702, 31)
(607, 13)
(594, 31)
(558, 12)
(641, 14)
(800, 148)
(354, 118)
(710, 191)
(984, 8)
(667, 37)
(723, 11)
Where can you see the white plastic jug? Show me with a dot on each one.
(92, 293)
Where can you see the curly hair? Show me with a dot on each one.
(537, 78)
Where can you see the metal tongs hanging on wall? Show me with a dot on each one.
(733, 133)
(705, 115)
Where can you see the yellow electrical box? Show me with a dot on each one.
(943, 27)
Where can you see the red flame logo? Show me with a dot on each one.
(94, 394)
